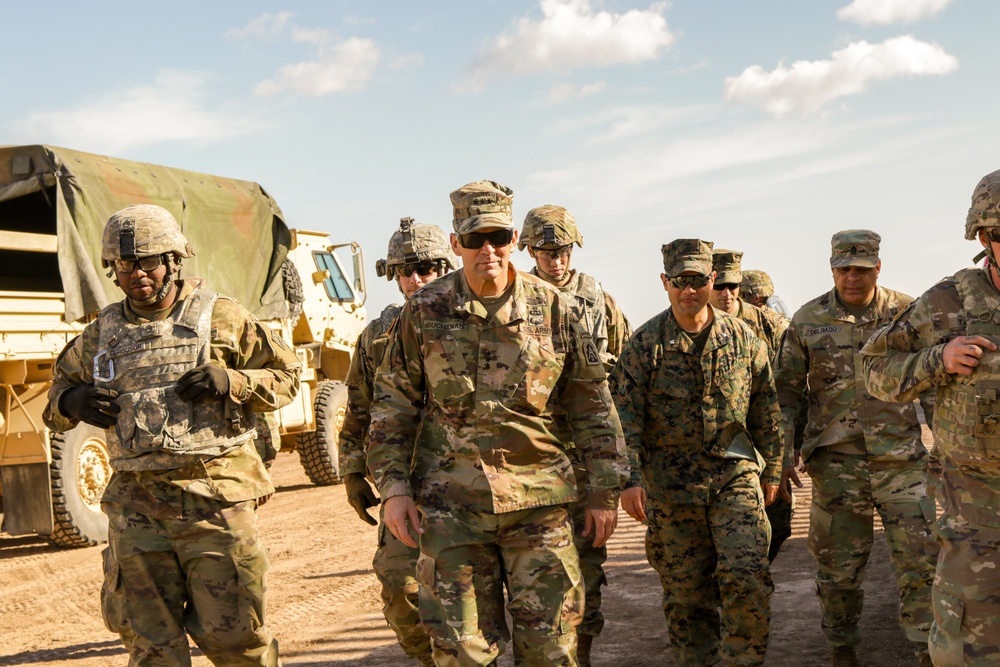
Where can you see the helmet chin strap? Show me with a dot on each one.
(168, 283)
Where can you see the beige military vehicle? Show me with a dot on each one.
(53, 206)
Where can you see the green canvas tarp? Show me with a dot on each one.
(237, 230)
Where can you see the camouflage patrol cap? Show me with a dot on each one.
(756, 284)
(549, 227)
(143, 230)
(726, 264)
(683, 255)
(855, 247)
(985, 210)
(481, 205)
(416, 242)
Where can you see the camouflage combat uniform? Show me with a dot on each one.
(490, 476)
(686, 421)
(395, 563)
(862, 454)
(904, 360)
(184, 555)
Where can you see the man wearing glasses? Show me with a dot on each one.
(549, 233)
(862, 454)
(699, 412)
(175, 374)
(417, 255)
(769, 327)
(464, 422)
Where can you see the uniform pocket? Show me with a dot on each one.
(114, 608)
(947, 647)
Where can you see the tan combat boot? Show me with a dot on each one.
(583, 644)
(844, 656)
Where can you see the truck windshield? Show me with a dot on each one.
(338, 288)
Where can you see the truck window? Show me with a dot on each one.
(338, 288)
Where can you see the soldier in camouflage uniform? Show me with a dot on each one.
(417, 255)
(946, 342)
(700, 416)
(483, 361)
(175, 373)
(549, 233)
(862, 454)
(770, 327)
(756, 287)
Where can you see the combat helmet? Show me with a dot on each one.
(144, 230)
(984, 212)
(549, 227)
(756, 284)
(415, 242)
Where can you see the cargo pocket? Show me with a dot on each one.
(432, 612)
(114, 608)
(947, 648)
(820, 523)
(250, 572)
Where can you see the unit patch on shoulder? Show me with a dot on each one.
(590, 351)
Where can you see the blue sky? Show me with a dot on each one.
(761, 126)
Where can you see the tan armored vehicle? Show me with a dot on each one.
(53, 206)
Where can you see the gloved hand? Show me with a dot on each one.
(360, 496)
(204, 382)
(93, 405)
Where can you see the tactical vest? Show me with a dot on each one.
(143, 363)
(967, 411)
(583, 289)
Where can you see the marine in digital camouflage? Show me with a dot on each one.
(167, 510)
(703, 434)
(863, 454)
(901, 362)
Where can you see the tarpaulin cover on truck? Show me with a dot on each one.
(237, 230)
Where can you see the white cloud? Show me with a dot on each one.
(263, 27)
(168, 109)
(571, 35)
(806, 86)
(344, 66)
(882, 12)
(407, 61)
(567, 92)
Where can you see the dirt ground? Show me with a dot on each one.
(325, 608)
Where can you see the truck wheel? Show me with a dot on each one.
(80, 469)
(294, 294)
(319, 450)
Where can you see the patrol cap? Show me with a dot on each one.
(855, 247)
(726, 264)
(984, 212)
(549, 227)
(756, 284)
(481, 205)
(142, 230)
(682, 255)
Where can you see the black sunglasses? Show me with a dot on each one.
(475, 240)
(697, 282)
(718, 287)
(422, 268)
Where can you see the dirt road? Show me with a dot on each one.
(325, 606)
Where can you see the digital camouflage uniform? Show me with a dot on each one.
(490, 477)
(769, 326)
(551, 227)
(906, 359)
(184, 555)
(703, 434)
(862, 454)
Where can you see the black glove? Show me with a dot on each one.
(93, 405)
(360, 496)
(204, 382)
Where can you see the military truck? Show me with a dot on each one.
(54, 203)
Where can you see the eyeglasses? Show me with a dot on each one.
(697, 282)
(147, 264)
(994, 234)
(475, 240)
(732, 287)
(422, 268)
(557, 253)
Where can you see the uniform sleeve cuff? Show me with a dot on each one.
(606, 499)
(237, 386)
(395, 489)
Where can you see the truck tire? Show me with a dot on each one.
(80, 470)
(294, 294)
(319, 451)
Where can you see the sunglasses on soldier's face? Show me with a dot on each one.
(475, 240)
(557, 253)
(697, 282)
(422, 268)
(147, 264)
(732, 287)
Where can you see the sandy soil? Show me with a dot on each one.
(325, 607)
